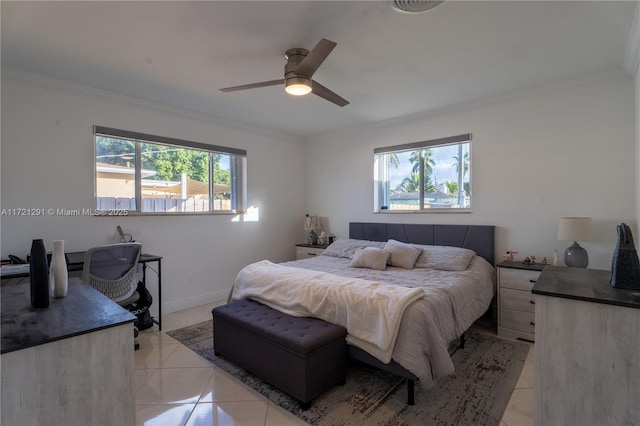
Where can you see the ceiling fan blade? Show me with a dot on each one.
(323, 92)
(315, 58)
(253, 85)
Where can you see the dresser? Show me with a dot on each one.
(305, 251)
(587, 351)
(70, 363)
(516, 305)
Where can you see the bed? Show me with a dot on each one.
(447, 287)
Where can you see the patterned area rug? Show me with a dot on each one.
(486, 373)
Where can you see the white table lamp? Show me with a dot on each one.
(575, 229)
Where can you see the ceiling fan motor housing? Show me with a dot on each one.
(294, 57)
(295, 83)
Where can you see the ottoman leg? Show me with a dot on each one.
(304, 406)
(410, 392)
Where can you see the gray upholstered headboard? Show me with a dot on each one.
(479, 238)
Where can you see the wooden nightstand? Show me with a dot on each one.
(305, 251)
(516, 305)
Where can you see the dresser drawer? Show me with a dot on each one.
(519, 300)
(517, 320)
(307, 252)
(519, 279)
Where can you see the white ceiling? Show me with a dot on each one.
(386, 64)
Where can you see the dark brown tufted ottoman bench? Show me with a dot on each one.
(301, 356)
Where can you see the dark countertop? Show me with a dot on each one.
(83, 310)
(590, 285)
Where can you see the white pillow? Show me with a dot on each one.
(445, 258)
(370, 257)
(346, 247)
(402, 255)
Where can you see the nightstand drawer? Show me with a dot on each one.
(307, 252)
(520, 300)
(519, 279)
(517, 320)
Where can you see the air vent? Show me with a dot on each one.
(415, 6)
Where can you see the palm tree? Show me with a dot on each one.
(393, 160)
(412, 184)
(415, 160)
(465, 163)
(428, 161)
(452, 187)
(461, 160)
(409, 184)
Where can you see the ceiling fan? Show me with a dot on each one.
(300, 66)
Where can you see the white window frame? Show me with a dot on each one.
(382, 188)
(238, 179)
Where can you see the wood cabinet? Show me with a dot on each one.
(73, 364)
(305, 251)
(587, 352)
(516, 304)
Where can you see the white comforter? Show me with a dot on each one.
(370, 311)
(452, 301)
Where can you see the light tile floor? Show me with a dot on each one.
(174, 386)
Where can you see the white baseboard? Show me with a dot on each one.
(190, 302)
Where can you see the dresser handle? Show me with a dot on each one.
(532, 323)
(312, 254)
(532, 281)
(532, 302)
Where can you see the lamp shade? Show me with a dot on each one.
(575, 229)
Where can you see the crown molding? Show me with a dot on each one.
(632, 56)
(482, 102)
(51, 82)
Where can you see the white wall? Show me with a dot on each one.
(632, 67)
(47, 162)
(637, 115)
(566, 150)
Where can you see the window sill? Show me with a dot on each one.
(173, 214)
(427, 211)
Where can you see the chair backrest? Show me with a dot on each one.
(112, 269)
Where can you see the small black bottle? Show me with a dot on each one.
(39, 275)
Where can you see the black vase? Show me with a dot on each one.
(39, 275)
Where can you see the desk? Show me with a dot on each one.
(75, 262)
(70, 363)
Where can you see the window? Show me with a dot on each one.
(154, 174)
(425, 176)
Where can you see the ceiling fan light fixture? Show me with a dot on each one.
(298, 86)
(413, 7)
